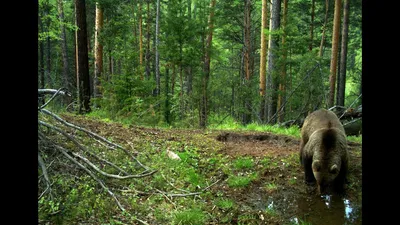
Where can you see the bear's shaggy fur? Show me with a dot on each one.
(323, 150)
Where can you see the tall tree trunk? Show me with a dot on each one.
(82, 65)
(321, 47)
(343, 58)
(64, 49)
(157, 91)
(140, 41)
(167, 110)
(282, 80)
(247, 46)
(98, 55)
(111, 63)
(263, 61)
(173, 79)
(48, 59)
(272, 57)
(247, 58)
(148, 39)
(189, 75)
(312, 25)
(334, 56)
(206, 68)
(41, 62)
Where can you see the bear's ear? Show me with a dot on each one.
(316, 165)
(333, 169)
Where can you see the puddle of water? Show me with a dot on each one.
(314, 209)
(329, 209)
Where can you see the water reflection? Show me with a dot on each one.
(329, 209)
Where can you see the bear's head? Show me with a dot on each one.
(325, 172)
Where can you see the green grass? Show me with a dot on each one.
(224, 203)
(357, 139)
(271, 187)
(190, 217)
(243, 163)
(230, 124)
(241, 181)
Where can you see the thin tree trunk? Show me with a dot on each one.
(263, 54)
(173, 79)
(272, 57)
(148, 39)
(157, 92)
(247, 46)
(41, 58)
(83, 82)
(206, 68)
(167, 113)
(282, 82)
(189, 75)
(312, 25)
(48, 60)
(343, 58)
(110, 64)
(64, 49)
(334, 59)
(321, 47)
(98, 66)
(140, 41)
(247, 58)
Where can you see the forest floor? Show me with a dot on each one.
(250, 178)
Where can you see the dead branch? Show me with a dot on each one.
(93, 135)
(87, 151)
(54, 92)
(64, 151)
(111, 175)
(44, 171)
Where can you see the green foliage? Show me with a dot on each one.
(241, 181)
(191, 217)
(271, 187)
(357, 139)
(224, 203)
(243, 163)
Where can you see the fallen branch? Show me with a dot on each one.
(111, 175)
(64, 151)
(51, 91)
(93, 135)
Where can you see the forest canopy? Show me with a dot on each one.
(192, 63)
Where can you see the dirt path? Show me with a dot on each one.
(277, 196)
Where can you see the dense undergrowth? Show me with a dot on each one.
(186, 191)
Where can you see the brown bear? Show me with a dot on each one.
(323, 151)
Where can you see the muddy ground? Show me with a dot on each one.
(292, 201)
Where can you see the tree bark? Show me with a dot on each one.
(98, 66)
(312, 25)
(148, 39)
(321, 47)
(41, 60)
(334, 59)
(247, 44)
(282, 80)
(48, 51)
(64, 49)
(140, 41)
(272, 57)
(82, 65)
(157, 91)
(206, 68)
(247, 58)
(263, 54)
(343, 58)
